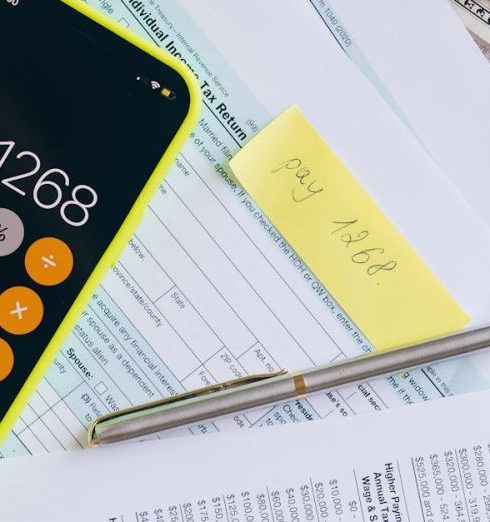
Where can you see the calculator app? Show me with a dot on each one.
(81, 131)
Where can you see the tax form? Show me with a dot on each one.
(315, 472)
(207, 289)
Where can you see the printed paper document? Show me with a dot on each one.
(428, 462)
(207, 289)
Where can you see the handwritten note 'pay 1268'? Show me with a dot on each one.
(343, 236)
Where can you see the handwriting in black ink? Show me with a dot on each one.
(368, 255)
(305, 188)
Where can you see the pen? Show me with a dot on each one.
(262, 390)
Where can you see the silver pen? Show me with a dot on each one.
(262, 390)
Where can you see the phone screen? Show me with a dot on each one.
(85, 117)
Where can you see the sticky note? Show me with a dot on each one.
(343, 236)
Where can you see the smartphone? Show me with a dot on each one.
(91, 116)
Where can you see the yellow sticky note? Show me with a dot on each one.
(343, 236)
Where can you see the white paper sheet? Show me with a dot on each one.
(428, 462)
(438, 78)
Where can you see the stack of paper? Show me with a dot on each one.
(209, 290)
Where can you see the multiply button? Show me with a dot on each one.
(11, 232)
(49, 261)
(6, 359)
(21, 310)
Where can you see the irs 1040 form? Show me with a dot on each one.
(318, 472)
(207, 290)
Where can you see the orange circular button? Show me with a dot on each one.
(49, 261)
(21, 310)
(6, 359)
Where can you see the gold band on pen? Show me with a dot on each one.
(300, 385)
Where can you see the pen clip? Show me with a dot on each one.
(241, 381)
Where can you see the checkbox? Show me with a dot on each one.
(100, 388)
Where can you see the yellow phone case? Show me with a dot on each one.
(124, 233)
